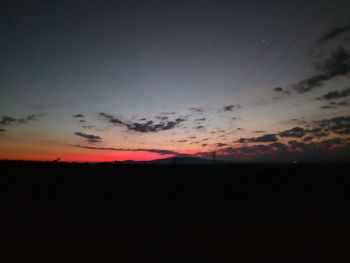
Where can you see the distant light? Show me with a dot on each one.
(264, 41)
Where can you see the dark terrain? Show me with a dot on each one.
(59, 212)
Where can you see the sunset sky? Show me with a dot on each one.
(142, 80)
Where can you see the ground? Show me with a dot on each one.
(53, 212)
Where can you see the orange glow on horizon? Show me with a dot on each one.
(98, 157)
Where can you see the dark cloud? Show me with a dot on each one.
(278, 89)
(335, 94)
(79, 116)
(164, 152)
(338, 64)
(332, 34)
(340, 103)
(328, 144)
(231, 107)
(338, 125)
(264, 138)
(181, 119)
(292, 151)
(320, 134)
(316, 130)
(196, 109)
(200, 127)
(144, 127)
(88, 126)
(296, 132)
(163, 118)
(299, 132)
(323, 145)
(6, 120)
(311, 148)
(90, 138)
(2, 130)
(296, 145)
(308, 138)
(168, 113)
(310, 83)
(111, 119)
(200, 119)
(149, 126)
(326, 107)
(254, 149)
(219, 144)
(182, 141)
(277, 146)
(82, 121)
(334, 105)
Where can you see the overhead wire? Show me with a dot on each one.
(288, 47)
(274, 39)
(297, 58)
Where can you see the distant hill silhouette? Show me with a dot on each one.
(174, 160)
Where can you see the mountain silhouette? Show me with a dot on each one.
(173, 160)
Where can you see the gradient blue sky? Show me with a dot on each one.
(122, 65)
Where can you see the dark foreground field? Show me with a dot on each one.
(53, 212)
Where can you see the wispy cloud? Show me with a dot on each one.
(338, 64)
(338, 125)
(146, 125)
(338, 94)
(7, 120)
(334, 105)
(333, 34)
(263, 138)
(296, 132)
(79, 116)
(90, 137)
(196, 109)
(160, 151)
(281, 90)
(231, 107)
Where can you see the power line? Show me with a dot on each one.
(267, 49)
(321, 10)
(287, 49)
(301, 54)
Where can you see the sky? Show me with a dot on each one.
(252, 80)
